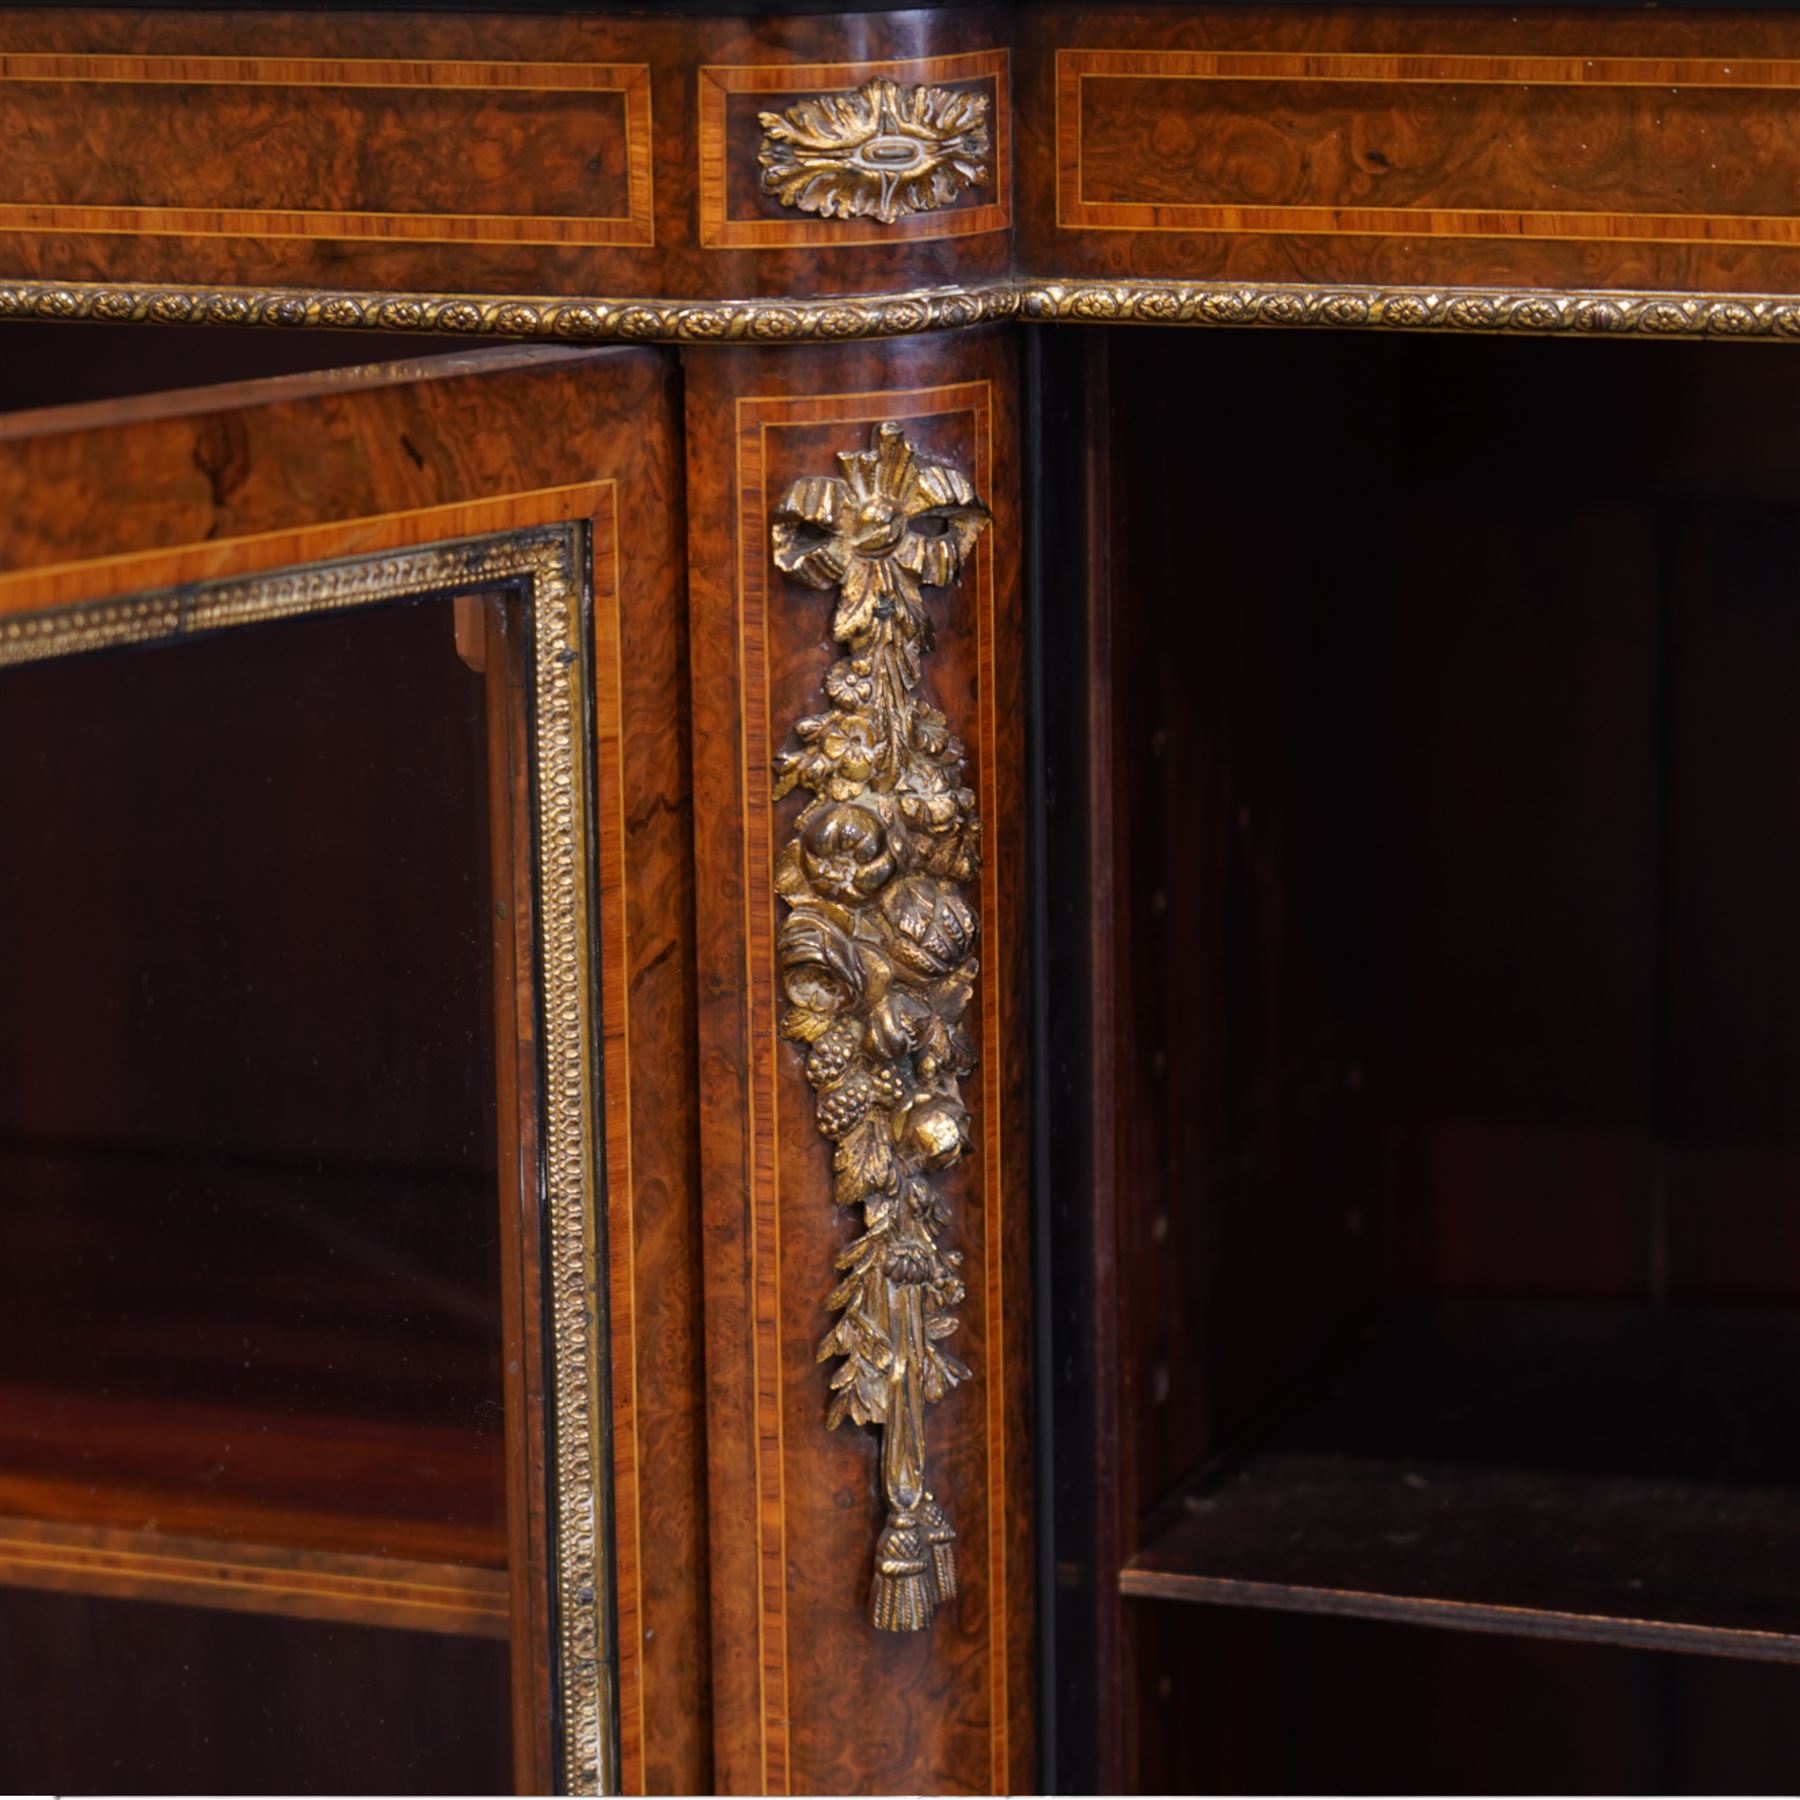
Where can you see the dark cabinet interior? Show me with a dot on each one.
(253, 1445)
(1422, 851)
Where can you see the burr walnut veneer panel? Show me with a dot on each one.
(1587, 149)
(457, 153)
(809, 1696)
(608, 156)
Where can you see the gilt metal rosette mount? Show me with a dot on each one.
(879, 152)
(878, 965)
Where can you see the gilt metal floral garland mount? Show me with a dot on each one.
(878, 964)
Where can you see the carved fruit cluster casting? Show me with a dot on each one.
(876, 153)
(877, 957)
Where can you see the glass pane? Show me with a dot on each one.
(251, 1398)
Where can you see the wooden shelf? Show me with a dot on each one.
(449, 1598)
(251, 1386)
(314, 1480)
(1616, 1473)
(307, 1515)
(318, 1516)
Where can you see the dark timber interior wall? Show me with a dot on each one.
(1456, 762)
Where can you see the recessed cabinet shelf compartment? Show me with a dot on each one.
(1621, 1473)
(1432, 919)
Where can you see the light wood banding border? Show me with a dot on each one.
(784, 230)
(612, 830)
(1074, 212)
(634, 228)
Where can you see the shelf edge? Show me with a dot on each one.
(1463, 1615)
(445, 1598)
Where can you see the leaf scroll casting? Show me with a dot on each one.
(876, 153)
(877, 957)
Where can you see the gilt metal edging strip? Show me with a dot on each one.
(877, 965)
(550, 561)
(1518, 312)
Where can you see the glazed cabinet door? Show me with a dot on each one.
(345, 1087)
